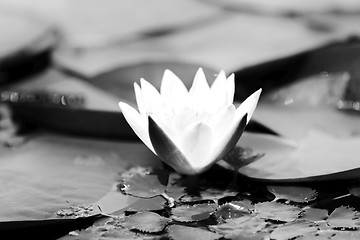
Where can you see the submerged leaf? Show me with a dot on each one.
(177, 232)
(145, 222)
(192, 213)
(277, 211)
(293, 193)
(145, 185)
(344, 217)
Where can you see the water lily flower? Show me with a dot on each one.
(189, 130)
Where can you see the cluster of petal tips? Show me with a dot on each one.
(189, 130)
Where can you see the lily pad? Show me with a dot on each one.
(277, 211)
(293, 230)
(241, 227)
(213, 194)
(145, 185)
(192, 213)
(177, 232)
(318, 156)
(314, 214)
(293, 193)
(145, 222)
(241, 156)
(344, 217)
(234, 209)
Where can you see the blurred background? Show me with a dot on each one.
(54, 45)
(220, 34)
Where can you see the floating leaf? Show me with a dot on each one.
(293, 193)
(348, 235)
(145, 222)
(174, 189)
(239, 219)
(177, 232)
(78, 211)
(293, 230)
(146, 204)
(240, 234)
(113, 229)
(145, 185)
(109, 230)
(332, 235)
(242, 156)
(234, 209)
(313, 236)
(344, 217)
(192, 213)
(277, 211)
(319, 155)
(314, 214)
(246, 225)
(115, 234)
(244, 204)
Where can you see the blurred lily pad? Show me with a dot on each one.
(318, 156)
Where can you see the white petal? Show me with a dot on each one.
(173, 91)
(137, 123)
(187, 117)
(248, 106)
(219, 96)
(184, 118)
(228, 140)
(230, 85)
(151, 97)
(160, 111)
(167, 125)
(222, 120)
(195, 144)
(232, 134)
(139, 100)
(219, 81)
(199, 91)
(167, 150)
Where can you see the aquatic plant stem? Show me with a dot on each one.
(170, 200)
(192, 184)
(234, 181)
